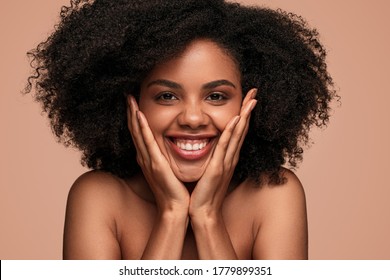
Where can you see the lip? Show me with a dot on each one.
(191, 155)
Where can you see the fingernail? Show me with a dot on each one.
(253, 104)
(128, 99)
(254, 93)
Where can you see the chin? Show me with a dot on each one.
(188, 177)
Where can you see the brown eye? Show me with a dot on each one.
(216, 97)
(166, 96)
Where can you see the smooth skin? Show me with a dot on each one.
(184, 204)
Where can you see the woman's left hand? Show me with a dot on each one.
(208, 196)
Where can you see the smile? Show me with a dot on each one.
(191, 145)
(191, 148)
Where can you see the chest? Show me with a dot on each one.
(135, 235)
(241, 240)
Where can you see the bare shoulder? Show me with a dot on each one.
(93, 202)
(97, 192)
(266, 195)
(98, 185)
(281, 220)
(290, 192)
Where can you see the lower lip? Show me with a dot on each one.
(192, 155)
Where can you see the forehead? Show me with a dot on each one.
(201, 60)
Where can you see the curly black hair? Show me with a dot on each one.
(101, 50)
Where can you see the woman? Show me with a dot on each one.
(186, 111)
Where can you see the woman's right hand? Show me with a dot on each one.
(170, 194)
(172, 198)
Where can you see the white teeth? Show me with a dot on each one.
(191, 145)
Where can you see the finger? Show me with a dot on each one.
(239, 133)
(249, 96)
(230, 140)
(236, 156)
(135, 130)
(130, 119)
(247, 113)
(224, 139)
(246, 108)
(151, 145)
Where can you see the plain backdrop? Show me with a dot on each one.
(344, 172)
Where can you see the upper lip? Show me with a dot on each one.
(191, 136)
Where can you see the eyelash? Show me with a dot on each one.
(162, 96)
(168, 97)
(221, 96)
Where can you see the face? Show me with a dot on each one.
(188, 101)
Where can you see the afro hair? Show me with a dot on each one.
(101, 50)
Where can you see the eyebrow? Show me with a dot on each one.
(218, 83)
(209, 85)
(166, 83)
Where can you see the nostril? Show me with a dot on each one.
(193, 117)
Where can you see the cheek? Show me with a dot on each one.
(222, 115)
(159, 119)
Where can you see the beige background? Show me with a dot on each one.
(345, 173)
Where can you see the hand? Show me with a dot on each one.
(210, 191)
(169, 192)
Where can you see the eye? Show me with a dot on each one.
(166, 96)
(216, 96)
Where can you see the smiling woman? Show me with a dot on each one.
(186, 111)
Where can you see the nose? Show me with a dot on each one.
(193, 116)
